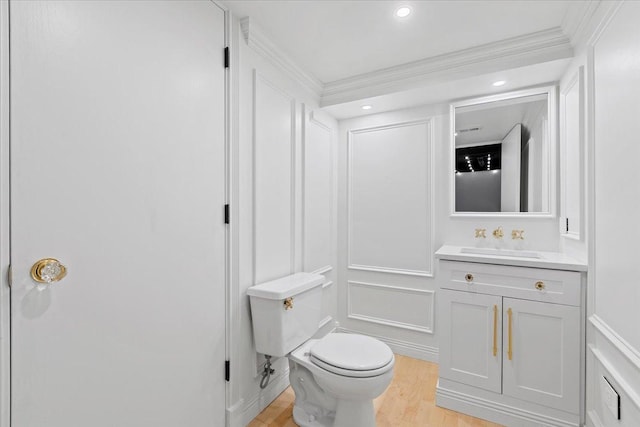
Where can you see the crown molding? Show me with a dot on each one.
(541, 46)
(259, 42)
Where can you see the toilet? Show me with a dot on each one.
(334, 378)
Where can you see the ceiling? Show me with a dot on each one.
(341, 44)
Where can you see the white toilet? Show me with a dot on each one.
(335, 378)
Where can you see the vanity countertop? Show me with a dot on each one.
(535, 259)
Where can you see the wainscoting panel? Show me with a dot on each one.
(390, 199)
(399, 307)
(318, 205)
(273, 181)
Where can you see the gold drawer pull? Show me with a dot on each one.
(510, 337)
(495, 330)
(539, 286)
(468, 277)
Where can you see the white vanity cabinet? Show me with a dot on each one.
(511, 340)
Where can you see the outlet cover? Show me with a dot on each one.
(610, 397)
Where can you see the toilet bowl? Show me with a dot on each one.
(335, 378)
(350, 369)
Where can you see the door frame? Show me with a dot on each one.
(5, 237)
(5, 223)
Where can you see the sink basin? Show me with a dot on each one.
(501, 252)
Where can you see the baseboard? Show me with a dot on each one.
(241, 414)
(495, 411)
(405, 348)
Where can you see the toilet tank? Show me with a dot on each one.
(285, 312)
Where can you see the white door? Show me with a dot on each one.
(470, 339)
(544, 366)
(118, 171)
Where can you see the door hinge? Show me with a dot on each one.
(9, 276)
(566, 224)
(226, 57)
(226, 214)
(227, 370)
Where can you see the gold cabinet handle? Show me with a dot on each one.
(468, 277)
(288, 303)
(510, 347)
(48, 270)
(495, 330)
(540, 286)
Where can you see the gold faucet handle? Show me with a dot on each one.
(517, 234)
(481, 233)
(498, 233)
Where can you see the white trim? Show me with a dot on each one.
(552, 112)
(528, 49)
(5, 229)
(390, 270)
(323, 270)
(593, 417)
(576, 78)
(316, 118)
(576, 21)
(242, 414)
(619, 343)
(628, 390)
(389, 322)
(258, 41)
(430, 186)
(327, 284)
(495, 411)
(405, 348)
(324, 322)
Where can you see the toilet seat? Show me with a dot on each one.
(351, 355)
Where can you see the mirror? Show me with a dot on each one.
(503, 149)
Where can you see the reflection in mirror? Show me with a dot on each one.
(502, 149)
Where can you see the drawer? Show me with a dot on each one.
(536, 284)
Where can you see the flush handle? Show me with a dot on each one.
(288, 303)
(48, 270)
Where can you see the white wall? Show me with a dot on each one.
(614, 336)
(283, 203)
(398, 306)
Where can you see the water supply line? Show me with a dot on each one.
(266, 372)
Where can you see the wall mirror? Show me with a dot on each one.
(503, 148)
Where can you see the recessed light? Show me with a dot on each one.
(499, 83)
(367, 107)
(403, 12)
(455, 134)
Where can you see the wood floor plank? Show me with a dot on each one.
(408, 402)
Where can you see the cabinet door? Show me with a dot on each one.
(544, 364)
(470, 338)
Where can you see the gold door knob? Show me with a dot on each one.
(468, 277)
(539, 286)
(288, 303)
(48, 270)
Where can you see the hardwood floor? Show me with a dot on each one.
(408, 402)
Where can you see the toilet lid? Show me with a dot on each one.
(351, 352)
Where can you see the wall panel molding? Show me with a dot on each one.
(317, 193)
(622, 346)
(406, 348)
(273, 206)
(425, 127)
(385, 303)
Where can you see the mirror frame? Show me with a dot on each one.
(552, 153)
